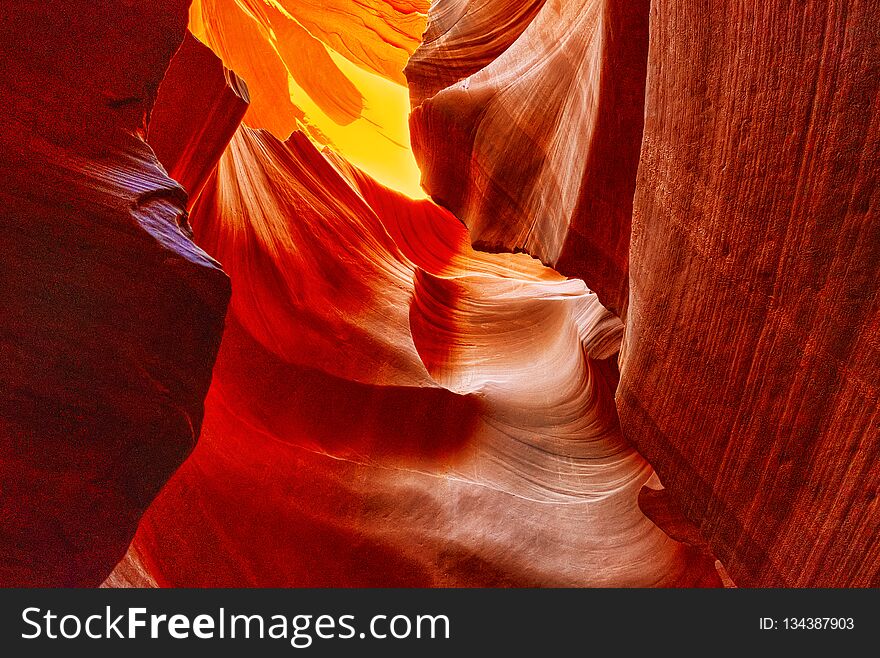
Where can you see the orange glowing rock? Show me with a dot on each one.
(390, 407)
(333, 69)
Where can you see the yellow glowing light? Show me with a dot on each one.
(378, 142)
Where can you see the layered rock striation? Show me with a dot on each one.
(527, 122)
(390, 407)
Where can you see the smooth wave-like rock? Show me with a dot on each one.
(390, 407)
(527, 122)
(749, 372)
(461, 38)
(110, 316)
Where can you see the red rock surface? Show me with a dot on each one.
(528, 128)
(198, 108)
(751, 358)
(111, 316)
(390, 407)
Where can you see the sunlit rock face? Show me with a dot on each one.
(331, 67)
(110, 316)
(527, 123)
(750, 365)
(390, 407)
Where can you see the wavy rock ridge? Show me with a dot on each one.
(749, 365)
(455, 390)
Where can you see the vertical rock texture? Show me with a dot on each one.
(751, 359)
(111, 316)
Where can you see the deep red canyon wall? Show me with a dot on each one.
(111, 316)
(199, 106)
(751, 358)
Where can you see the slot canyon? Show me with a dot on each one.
(471, 293)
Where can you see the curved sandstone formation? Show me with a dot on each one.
(463, 37)
(528, 128)
(390, 407)
(749, 369)
(750, 365)
(111, 316)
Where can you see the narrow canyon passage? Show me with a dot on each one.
(470, 292)
(389, 406)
